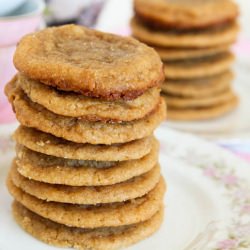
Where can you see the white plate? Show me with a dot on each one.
(207, 202)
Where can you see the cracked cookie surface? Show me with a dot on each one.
(96, 64)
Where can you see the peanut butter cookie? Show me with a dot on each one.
(200, 87)
(50, 145)
(192, 114)
(196, 39)
(111, 238)
(173, 54)
(199, 102)
(131, 189)
(89, 216)
(33, 115)
(185, 14)
(92, 109)
(62, 171)
(96, 64)
(199, 68)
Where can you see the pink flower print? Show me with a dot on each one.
(246, 209)
(243, 230)
(210, 172)
(242, 194)
(229, 179)
(228, 244)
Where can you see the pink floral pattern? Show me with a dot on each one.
(227, 244)
(239, 192)
(235, 188)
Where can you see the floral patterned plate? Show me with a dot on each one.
(207, 202)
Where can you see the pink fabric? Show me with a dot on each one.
(244, 156)
(11, 31)
(7, 71)
(242, 47)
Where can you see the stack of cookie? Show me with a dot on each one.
(193, 38)
(86, 172)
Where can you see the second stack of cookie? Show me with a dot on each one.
(86, 172)
(193, 38)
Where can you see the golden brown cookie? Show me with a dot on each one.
(93, 109)
(193, 114)
(131, 189)
(198, 68)
(89, 216)
(62, 171)
(197, 39)
(34, 115)
(173, 54)
(75, 58)
(50, 145)
(185, 14)
(199, 87)
(85, 239)
(199, 102)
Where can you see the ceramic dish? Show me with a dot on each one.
(7, 7)
(20, 22)
(25, 19)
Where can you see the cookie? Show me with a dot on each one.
(89, 216)
(50, 145)
(199, 102)
(96, 64)
(193, 114)
(92, 109)
(62, 171)
(131, 189)
(185, 14)
(200, 87)
(96, 239)
(198, 68)
(34, 115)
(173, 54)
(195, 39)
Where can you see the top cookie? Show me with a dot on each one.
(74, 58)
(185, 14)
